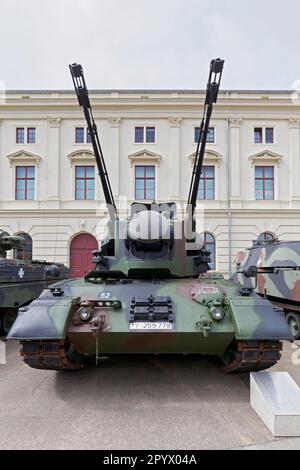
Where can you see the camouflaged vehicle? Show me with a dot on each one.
(150, 291)
(21, 281)
(278, 276)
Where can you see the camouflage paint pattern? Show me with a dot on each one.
(23, 281)
(246, 318)
(150, 293)
(278, 265)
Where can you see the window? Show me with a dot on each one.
(31, 135)
(269, 134)
(144, 135)
(264, 135)
(25, 183)
(84, 183)
(210, 245)
(145, 183)
(207, 184)
(264, 183)
(82, 135)
(20, 136)
(26, 135)
(266, 237)
(210, 135)
(24, 253)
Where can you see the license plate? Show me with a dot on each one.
(151, 326)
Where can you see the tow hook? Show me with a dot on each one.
(99, 324)
(204, 325)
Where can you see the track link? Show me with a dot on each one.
(48, 355)
(252, 356)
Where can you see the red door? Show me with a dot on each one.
(81, 254)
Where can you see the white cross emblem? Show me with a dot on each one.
(21, 273)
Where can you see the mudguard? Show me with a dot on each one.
(43, 319)
(254, 318)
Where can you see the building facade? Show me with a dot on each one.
(50, 190)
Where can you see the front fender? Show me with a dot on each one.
(255, 318)
(44, 319)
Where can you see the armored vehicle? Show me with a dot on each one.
(277, 276)
(150, 291)
(21, 281)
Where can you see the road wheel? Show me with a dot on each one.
(293, 320)
(9, 318)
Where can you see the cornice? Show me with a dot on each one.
(144, 156)
(23, 156)
(81, 156)
(265, 156)
(210, 156)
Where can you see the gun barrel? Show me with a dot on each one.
(8, 242)
(212, 91)
(84, 101)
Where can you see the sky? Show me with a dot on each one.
(149, 44)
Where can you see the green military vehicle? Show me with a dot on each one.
(150, 291)
(278, 276)
(21, 281)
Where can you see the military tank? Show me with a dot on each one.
(276, 268)
(151, 291)
(21, 281)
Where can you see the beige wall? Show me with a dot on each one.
(54, 217)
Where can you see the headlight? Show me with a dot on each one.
(84, 313)
(217, 313)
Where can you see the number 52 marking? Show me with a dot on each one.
(105, 295)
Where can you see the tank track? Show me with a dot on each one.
(253, 356)
(48, 355)
(245, 356)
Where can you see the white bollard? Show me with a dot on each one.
(2, 353)
(275, 397)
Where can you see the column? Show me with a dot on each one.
(113, 163)
(235, 163)
(174, 157)
(295, 161)
(53, 151)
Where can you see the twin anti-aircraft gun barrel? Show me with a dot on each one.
(212, 91)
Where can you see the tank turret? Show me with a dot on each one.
(167, 246)
(8, 242)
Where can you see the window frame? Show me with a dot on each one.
(25, 130)
(263, 179)
(26, 253)
(205, 243)
(85, 178)
(145, 126)
(144, 178)
(204, 179)
(264, 128)
(85, 135)
(25, 179)
(208, 143)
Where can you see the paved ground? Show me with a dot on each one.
(132, 403)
